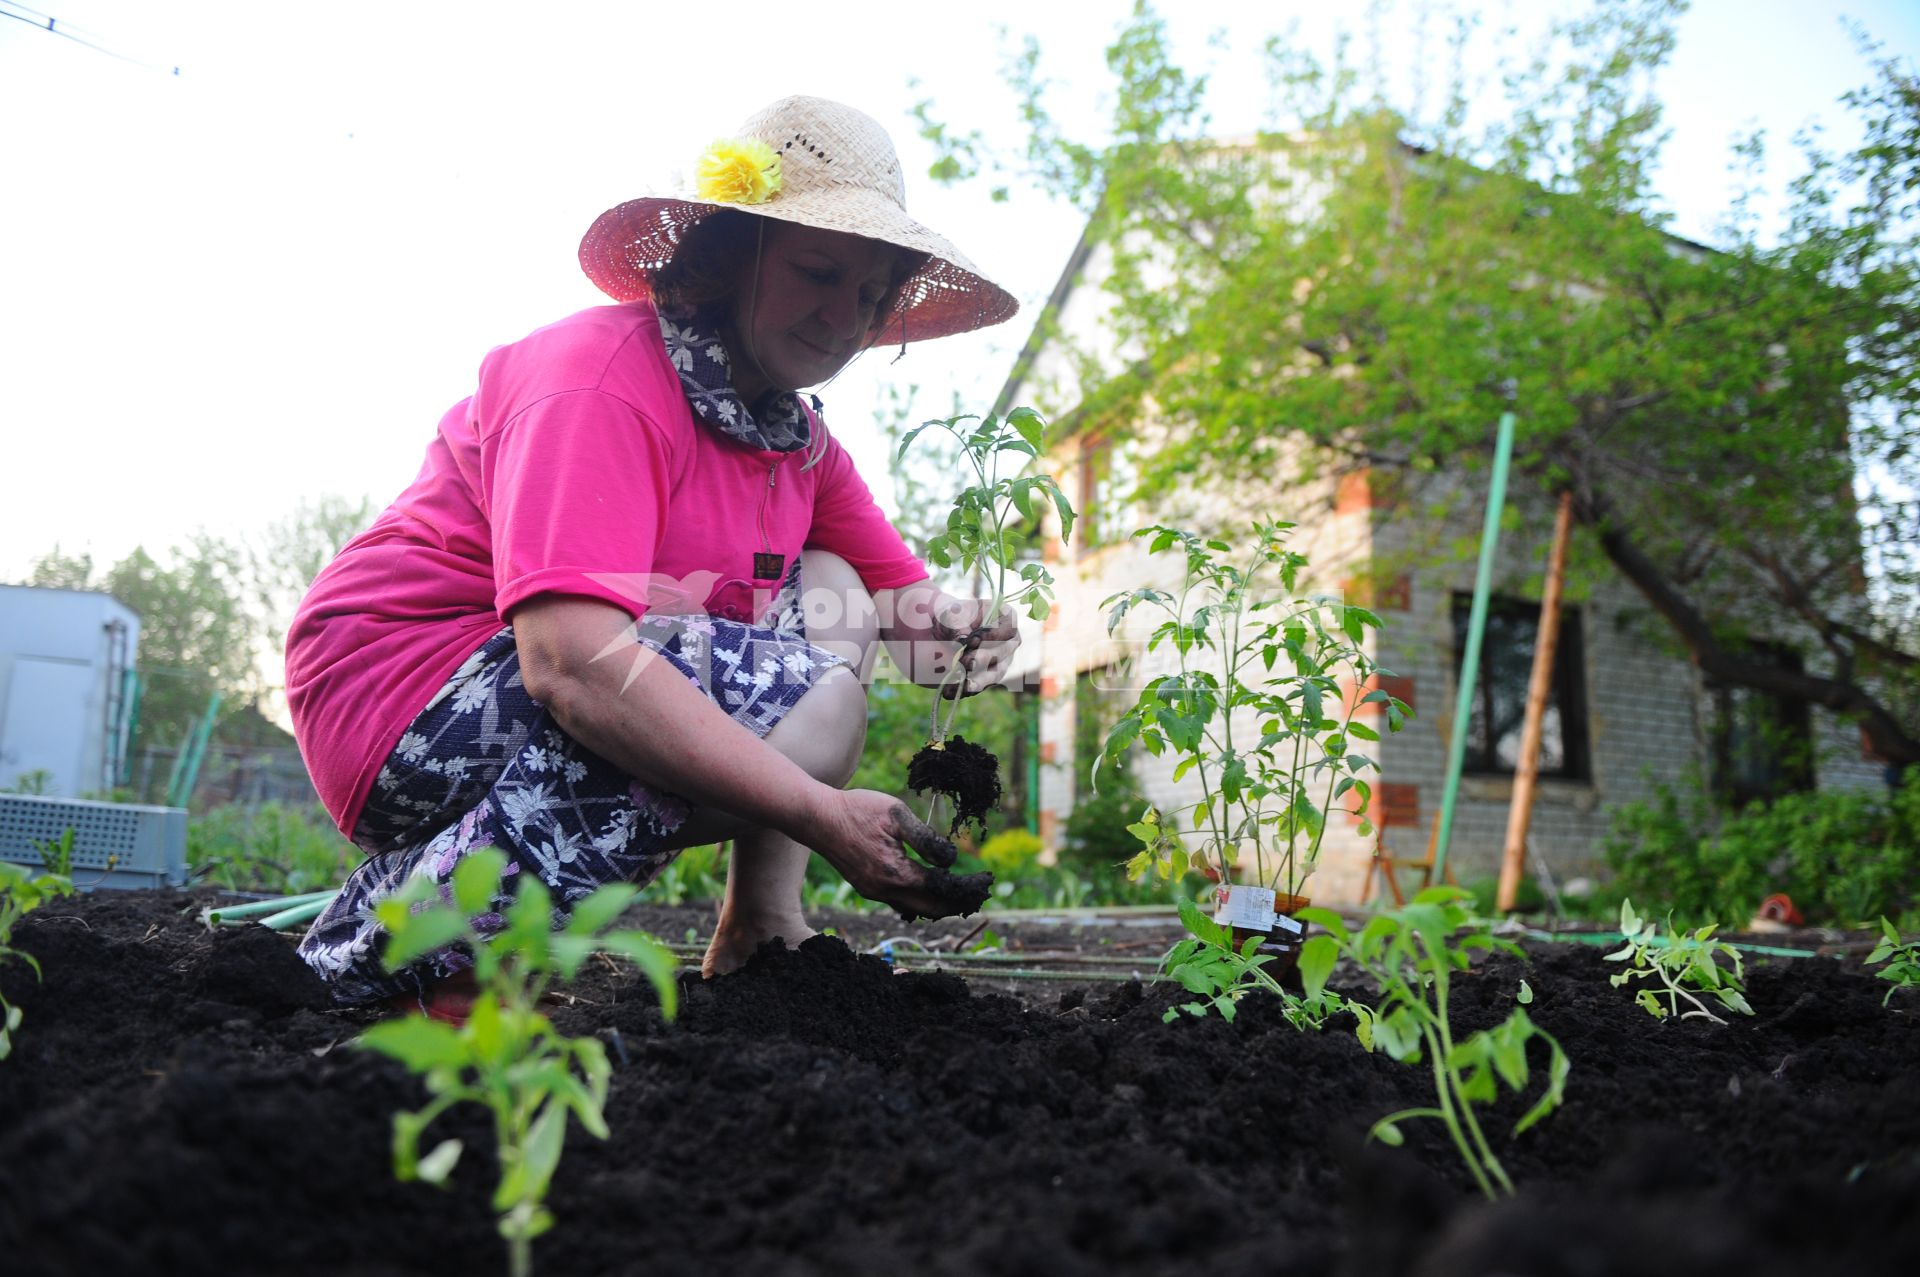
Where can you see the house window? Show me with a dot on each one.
(1762, 742)
(1500, 692)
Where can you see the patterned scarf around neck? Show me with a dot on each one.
(700, 358)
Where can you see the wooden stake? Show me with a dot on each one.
(1527, 772)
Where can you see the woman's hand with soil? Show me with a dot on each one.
(860, 832)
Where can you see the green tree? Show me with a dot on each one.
(284, 557)
(196, 635)
(1733, 423)
(56, 570)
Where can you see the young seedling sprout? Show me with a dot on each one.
(1412, 953)
(1684, 963)
(21, 892)
(1902, 959)
(507, 1057)
(979, 541)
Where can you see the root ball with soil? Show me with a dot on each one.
(966, 774)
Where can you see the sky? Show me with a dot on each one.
(229, 290)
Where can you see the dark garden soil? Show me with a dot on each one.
(180, 1102)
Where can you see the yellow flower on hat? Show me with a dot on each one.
(738, 171)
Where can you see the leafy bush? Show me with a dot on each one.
(697, 873)
(1654, 849)
(1095, 839)
(1264, 798)
(1064, 887)
(1485, 890)
(1010, 852)
(1208, 965)
(1844, 857)
(277, 847)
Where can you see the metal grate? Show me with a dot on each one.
(114, 844)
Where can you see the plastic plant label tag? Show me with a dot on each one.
(1293, 925)
(1250, 908)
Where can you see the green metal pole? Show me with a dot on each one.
(188, 775)
(132, 687)
(179, 762)
(1033, 762)
(1476, 631)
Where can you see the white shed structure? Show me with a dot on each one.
(67, 689)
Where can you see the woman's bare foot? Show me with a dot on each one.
(735, 940)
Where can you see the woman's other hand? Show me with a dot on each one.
(921, 625)
(986, 647)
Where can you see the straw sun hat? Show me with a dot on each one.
(820, 164)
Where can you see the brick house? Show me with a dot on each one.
(1627, 710)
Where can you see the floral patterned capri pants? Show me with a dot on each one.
(485, 765)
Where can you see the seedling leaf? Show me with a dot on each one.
(437, 1165)
(417, 1042)
(476, 878)
(595, 911)
(421, 935)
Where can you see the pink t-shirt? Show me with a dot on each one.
(576, 468)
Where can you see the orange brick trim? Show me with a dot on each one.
(1383, 596)
(1049, 685)
(1049, 828)
(1353, 492)
(1394, 805)
(1396, 686)
(1049, 751)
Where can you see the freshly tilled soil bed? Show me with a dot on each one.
(180, 1102)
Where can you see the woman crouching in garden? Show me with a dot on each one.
(628, 604)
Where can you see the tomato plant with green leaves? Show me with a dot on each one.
(1412, 953)
(1261, 707)
(507, 1057)
(1683, 963)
